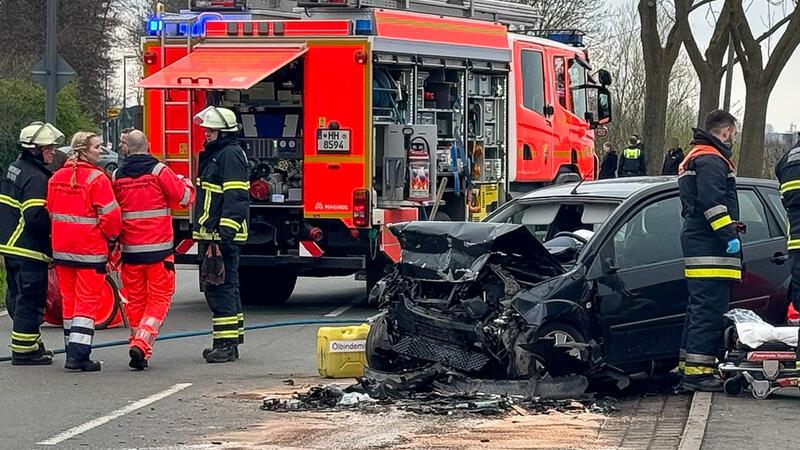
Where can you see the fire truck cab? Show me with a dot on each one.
(355, 117)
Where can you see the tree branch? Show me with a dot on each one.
(699, 4)
(783, 51)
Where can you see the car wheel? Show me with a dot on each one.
(264, 286)
(549, 353)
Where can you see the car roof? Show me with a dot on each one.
(622, 188)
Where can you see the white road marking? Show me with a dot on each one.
(338, 311)
(72, 432)
(695, 428)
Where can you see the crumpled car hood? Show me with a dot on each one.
(457, 251)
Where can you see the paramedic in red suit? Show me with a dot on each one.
(85, 221)
(146, 189)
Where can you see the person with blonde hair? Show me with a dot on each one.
(85, 220)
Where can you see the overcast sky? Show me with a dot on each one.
(785, 100)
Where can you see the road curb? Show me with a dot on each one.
(695, 428)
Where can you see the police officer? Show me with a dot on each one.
(711, 246)
(631, 162)
(25, 240)
(221, 217)
(788, 173)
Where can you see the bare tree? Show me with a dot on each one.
(759, 80)
(585, 15)
(658, 62)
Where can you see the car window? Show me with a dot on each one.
(753, 214)
(545, 220)
(651, 236)
(577, 78)
(774, 198)
(533, 81)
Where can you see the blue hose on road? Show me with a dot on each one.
(190, 334)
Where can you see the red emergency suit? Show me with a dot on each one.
(85, 217)
(146, 190)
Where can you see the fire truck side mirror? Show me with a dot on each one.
(604, 77)
(604, 110)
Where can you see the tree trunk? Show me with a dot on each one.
(710, 88)
(751, 155)
(655, 117)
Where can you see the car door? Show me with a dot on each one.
(766, 266)
(641, 288)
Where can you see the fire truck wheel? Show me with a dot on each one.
(265, 286)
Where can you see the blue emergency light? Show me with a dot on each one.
(363, 27)
(569, 37)
(156, 26)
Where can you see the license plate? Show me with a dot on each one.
(333, 141)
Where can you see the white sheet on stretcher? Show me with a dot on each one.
(754, 332)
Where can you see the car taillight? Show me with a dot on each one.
(361, 208)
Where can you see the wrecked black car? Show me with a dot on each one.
(603, 295)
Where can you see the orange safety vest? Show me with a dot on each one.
(700, 150)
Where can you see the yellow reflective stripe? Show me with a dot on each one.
(229, 223)
(694, 370)
(733, 274)
(25, 348)
(228, 185)
(227, 334)
(206, 208)
(212, 187)
(681, 366)
(793, 244)
(790, 186)
(17, 251)
(240, 316)
(17, 232)
(204, 235)
(30, 203)
(9, 201)
(25, 336)
(721, 222)
(242, 236)
(229, 320)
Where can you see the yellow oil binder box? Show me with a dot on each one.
(341, 351)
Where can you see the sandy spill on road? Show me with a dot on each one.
(354, 430)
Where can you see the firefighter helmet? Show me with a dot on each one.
(213, 118)
(40, 134)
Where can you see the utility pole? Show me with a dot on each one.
(51, 61)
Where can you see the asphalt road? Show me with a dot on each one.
(180, 400)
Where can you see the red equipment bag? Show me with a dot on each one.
(110, 313)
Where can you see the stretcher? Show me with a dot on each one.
(763, 362)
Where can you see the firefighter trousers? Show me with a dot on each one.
(149, 289)
(81, 289)
(794, 290)
(225, 302)
(704, 325)
(26, 297)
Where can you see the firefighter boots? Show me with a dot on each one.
(206, 351)
(225, 352)
(38, 358)
(84, 366)
(701, 383)
(138, 361)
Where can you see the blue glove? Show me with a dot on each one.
(734, 245)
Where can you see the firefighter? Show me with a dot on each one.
(221, 218)
(788, 173)
(711, 246)
(631, 161)
(25, 241)
(146, 189)
(85, 220)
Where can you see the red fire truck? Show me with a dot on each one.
(356, 114)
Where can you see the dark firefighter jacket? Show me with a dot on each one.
(788, 173)
(707, 185)
(24, 223)
(223, 192)
(632, 163)
(672, 160)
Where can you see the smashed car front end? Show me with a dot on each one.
(462, 297)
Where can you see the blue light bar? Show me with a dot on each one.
(572, 38)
